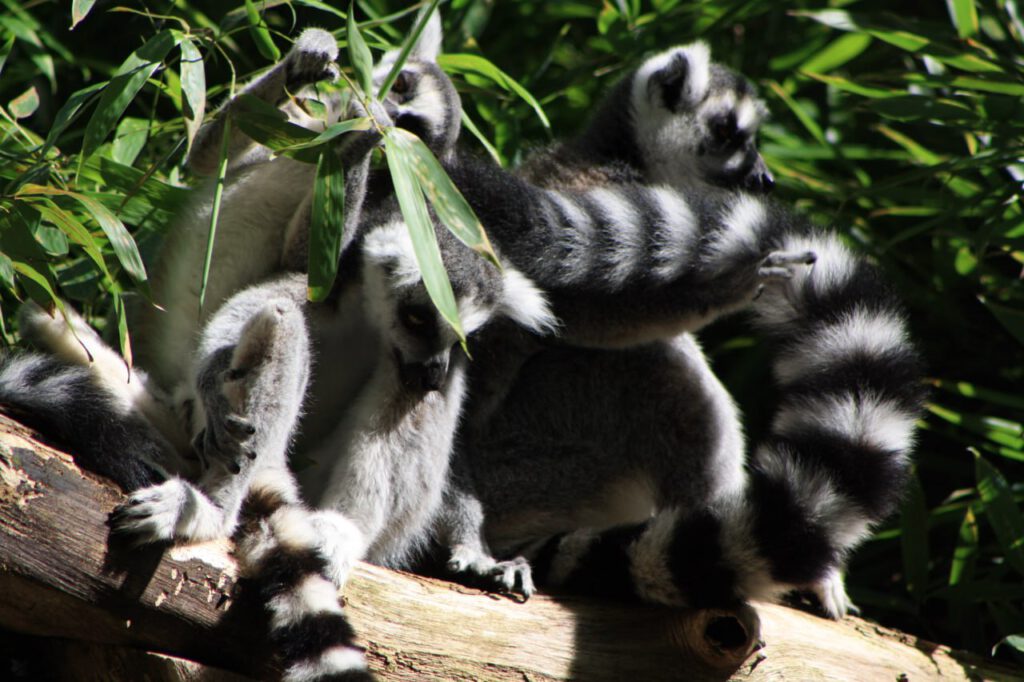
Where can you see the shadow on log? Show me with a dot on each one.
(60, 577)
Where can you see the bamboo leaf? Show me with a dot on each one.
(326, 224)
(74, 230)
(122, 88)
(5, 52)
(193, 87)
(7, 271)
(1012, 320)
(79, 10)
(25, 104)
(474, 64)
(965, 554)
(809, 123)
(124, 246)
(965, 17)
(218, 194)
(839, 52)
(260, 33)
(359, 53)
(421, 231)
(914, 540)
(267, 124)
(449, 204)
(1015, 642)
(129, 139)
(1002, 511)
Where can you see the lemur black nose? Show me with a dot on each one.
(762, 183)
(423, 376)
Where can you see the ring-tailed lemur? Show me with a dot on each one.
(264, 211)
(640, 251)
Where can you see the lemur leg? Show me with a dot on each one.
(310, 60)
(470, 561)
(250, 390)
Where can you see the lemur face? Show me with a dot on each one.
(423, 99)
(696, 119)
(420, 340)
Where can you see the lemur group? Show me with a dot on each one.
(587, 446)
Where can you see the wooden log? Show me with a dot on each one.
(62, 576)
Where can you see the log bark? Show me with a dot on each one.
(62, 575)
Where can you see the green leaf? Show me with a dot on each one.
(474, 64)
(124, 341)
(129, 139)
(421, 231)
(359, 53)
(839, 52)
(7, 271)
(193, 87)
(33, 46)
(260, 33)
(74, 229)
(809, 123)
(5, 52)
(124, 246)
(79, 9)
(330, 133)
(1012, 320)
(218, 194)
(444, 196)
(966, 553)
(67, 113)
(965, 17)
(51, 239)
(25, 104)
(914, 540)
(1002, 511)
(850, 86)
(1013, 641)
(914, 107)
(326, 224)
(122, 88)
(267, 124)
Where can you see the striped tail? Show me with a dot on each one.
(277, 547)
(71, 405)
(835, 462)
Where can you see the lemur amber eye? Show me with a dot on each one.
(402, 84)
(414, 318)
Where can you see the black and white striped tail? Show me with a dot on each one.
(834, 464)
(67, 404)
(277, 548)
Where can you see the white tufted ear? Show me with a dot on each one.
(690, 62)
(524, 303)
(428, 47)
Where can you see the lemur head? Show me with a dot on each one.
(423, 99)
(417, 338)
(695, 119)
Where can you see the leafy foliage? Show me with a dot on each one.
(901, 124)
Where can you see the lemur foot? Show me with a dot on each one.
(312, 58)
(475, 569)
(781, 265)
(230, 397)
(161, 513)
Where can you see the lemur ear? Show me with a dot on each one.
(428, 47)
(678, 78)
(524, 303)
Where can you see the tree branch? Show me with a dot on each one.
(60, 576)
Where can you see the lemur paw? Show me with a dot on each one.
(478, 570)
(312, 58)
(782, 265)
(340, 543)
(227, 435)
(151, 514)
